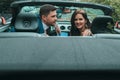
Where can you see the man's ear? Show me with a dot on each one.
(43, 17)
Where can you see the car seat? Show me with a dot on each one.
(102, 24)
(26, 22)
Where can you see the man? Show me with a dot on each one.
(48, 18)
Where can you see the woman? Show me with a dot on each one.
(80, 24)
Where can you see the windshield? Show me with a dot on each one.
(65, 13)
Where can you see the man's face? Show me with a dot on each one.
(51, 18)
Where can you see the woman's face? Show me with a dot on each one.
(79, 21)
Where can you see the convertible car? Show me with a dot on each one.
(27, 54)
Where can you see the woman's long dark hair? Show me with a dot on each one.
(75, 31)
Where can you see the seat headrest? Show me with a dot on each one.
(26, 21)
(99, 24)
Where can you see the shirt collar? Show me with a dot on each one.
(45, 26)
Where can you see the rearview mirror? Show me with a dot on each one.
(66, 10)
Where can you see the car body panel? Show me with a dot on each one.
(63, 53)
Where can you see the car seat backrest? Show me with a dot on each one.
(99, 24)
(26, 22)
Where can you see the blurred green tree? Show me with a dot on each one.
(115, 4)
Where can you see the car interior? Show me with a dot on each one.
(27, 17)
(100, 23)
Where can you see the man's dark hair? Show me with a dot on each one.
(45, 9)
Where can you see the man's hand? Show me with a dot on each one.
(57, 29)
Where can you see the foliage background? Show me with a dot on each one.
(113, 3)
(4, 6)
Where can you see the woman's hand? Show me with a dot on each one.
(86, 32)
